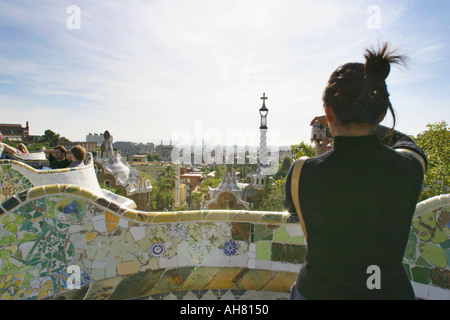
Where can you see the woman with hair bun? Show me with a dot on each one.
(357, 200)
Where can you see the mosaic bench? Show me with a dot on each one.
(53, 234)
(17, 176)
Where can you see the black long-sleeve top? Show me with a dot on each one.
(357, 201)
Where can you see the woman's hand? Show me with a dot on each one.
(321, 146)
(320, 120)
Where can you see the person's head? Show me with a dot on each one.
(78, 153)
(356, 94)
(1, 136)
(60, 153)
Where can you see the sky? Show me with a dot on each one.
(152, 70)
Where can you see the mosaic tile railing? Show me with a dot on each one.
(122, 253)
(16, 176)
(66, 242)
(427, 255)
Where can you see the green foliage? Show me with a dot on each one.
(271, 199)
(203, 188)
(435, 142)
(302, 149)
(153, 157)
(161, 196)
(52, 138)
(284, 168)
(118, 191)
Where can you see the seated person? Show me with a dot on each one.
(57, 157)
(76, 156)
(22, 148)
(5, 150)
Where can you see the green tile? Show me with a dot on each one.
(281, 235)
(412, 236)
(263, 251)
(408, 270)
(422, 262)
(410, 251)
(421, 275)
(433, 254)
(262, 233)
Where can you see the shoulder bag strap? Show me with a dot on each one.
(294, 190)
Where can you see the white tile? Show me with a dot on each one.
(421, 290)
(279, 266)
(294, 230)
(138, 233)
(437, 293)
(239, 260)
(168, 262)
(99, 223)
(123, 223)
(263, 264)
(216, 258)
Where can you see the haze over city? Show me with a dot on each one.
(145, 70)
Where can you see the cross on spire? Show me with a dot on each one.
(264, 97)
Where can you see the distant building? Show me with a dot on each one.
(89, 146)
(129, 148)
(165, 151)
(14, 133)
(191, 178)
(95, 137)
(228, 195)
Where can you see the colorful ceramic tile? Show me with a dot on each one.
(255, 279)
(420, 275)
(240, 231)
(199, 278)
(263, 250)
(281, 282)
(230, 248)
(226, 278)
(171, 280)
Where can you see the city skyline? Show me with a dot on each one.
(148, 70)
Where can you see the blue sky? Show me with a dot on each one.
(145, 70)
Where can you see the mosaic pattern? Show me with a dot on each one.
(427, 256)
(49, 228)
(11, 182)
(127, 254)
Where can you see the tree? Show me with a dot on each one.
(271, 199)
(52, 138)
(435, 142)
(153, 157)
(203, 187)
(302, 149)
(284, 168)
(161, 196)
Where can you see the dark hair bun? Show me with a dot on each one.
(378, 63)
